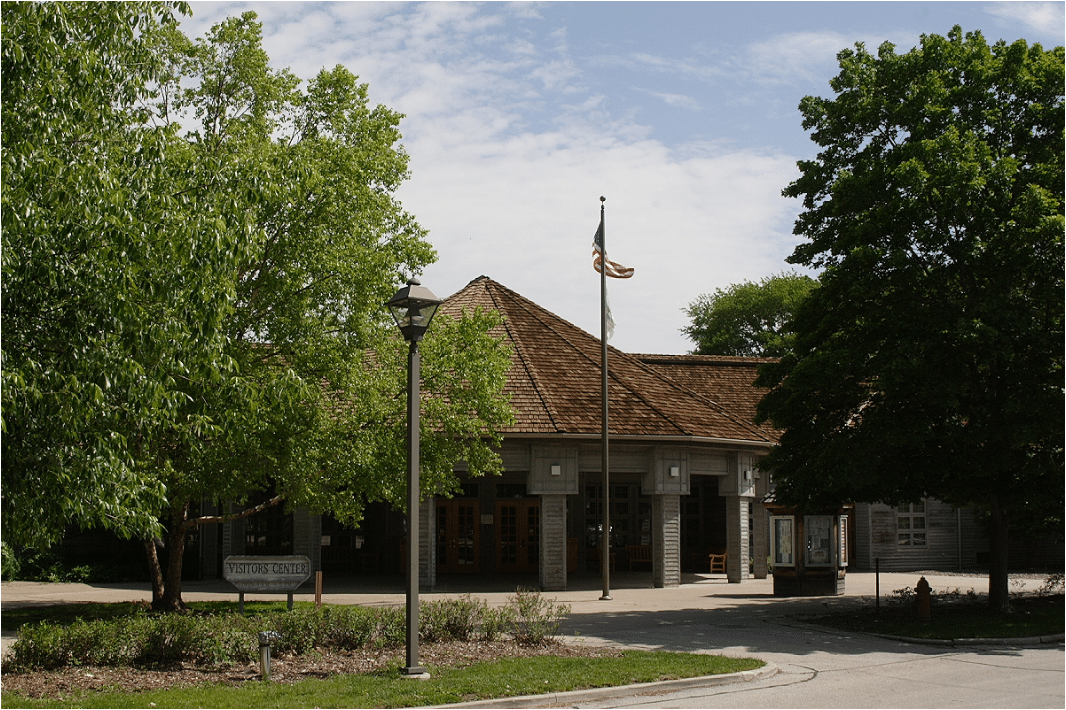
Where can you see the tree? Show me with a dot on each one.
(103, 310)
(929, 360)
(303, 397)
(748, 319)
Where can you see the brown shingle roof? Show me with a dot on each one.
(554, 381)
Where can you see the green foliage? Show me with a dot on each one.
(123, 636)
(450, 620)
(10, 564)
(748, 319)
(195, 256)
(928, 362)
(535, 620)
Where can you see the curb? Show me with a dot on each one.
(1021, 641)
(620, 691)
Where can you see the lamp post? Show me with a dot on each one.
(413, 308)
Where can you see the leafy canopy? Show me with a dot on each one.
(196, 254)
(748, 319)
(929, 360)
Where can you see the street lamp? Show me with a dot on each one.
(413, 308)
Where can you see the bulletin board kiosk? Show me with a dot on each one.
(808, 551)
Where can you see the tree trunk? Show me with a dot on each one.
(172, 600)
(998, 585)
(166, 584)
(154, 571)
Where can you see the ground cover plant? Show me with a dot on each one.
(957, 615)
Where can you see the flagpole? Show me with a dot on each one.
(605, 543)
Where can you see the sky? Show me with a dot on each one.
(683, 115)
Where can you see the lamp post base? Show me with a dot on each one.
(414, 673)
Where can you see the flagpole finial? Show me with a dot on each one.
(602, 198)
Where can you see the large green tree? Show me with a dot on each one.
(749, 318)
(929, 362)
(303, 393)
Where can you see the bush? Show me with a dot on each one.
(450, 620)
(217, 639)
(9, 568)
(535, 620)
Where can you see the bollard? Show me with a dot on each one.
(265, 639)
(924, 593)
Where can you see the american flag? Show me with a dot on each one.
(614, 269)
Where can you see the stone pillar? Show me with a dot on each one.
(666, 540)
(760, 543)
(427, 547)
(736, 515)
(553, 542)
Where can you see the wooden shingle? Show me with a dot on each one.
(555, 376)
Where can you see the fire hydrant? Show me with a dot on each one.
(924, 595)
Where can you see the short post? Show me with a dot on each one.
(265, 639)
(318, 589)
(924, 594)
(877, 584)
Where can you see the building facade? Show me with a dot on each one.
(682, 483)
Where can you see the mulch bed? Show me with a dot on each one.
(65, 682)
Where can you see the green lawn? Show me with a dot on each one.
(502, 678)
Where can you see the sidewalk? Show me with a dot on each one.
(704, 615)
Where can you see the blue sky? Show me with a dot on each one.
(519, 116)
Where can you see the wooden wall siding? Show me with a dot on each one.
(876, 538)
(705, 462)
(666, 541)
(737, 537)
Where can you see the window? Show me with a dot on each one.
(910, 525)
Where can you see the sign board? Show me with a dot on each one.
(253, 573)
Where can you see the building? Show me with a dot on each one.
(683, 482)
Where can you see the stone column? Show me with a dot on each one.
(553, 542)
(427, 547)
(736, 515)
(666, 540)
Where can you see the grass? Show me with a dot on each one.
(1029, 617)
(502, 678)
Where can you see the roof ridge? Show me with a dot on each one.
(519, 346)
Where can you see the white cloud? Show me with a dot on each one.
(510, 152)
(1044, 17)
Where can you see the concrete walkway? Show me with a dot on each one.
(703, 615)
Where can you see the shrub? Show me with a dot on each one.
(496, 621)
(450, 620)
(9, 568)
(217, 639)
(535, 620)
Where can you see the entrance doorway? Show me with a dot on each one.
(458, 536)
(518, 535)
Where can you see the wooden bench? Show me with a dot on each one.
(638, 554)
(718, 562)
